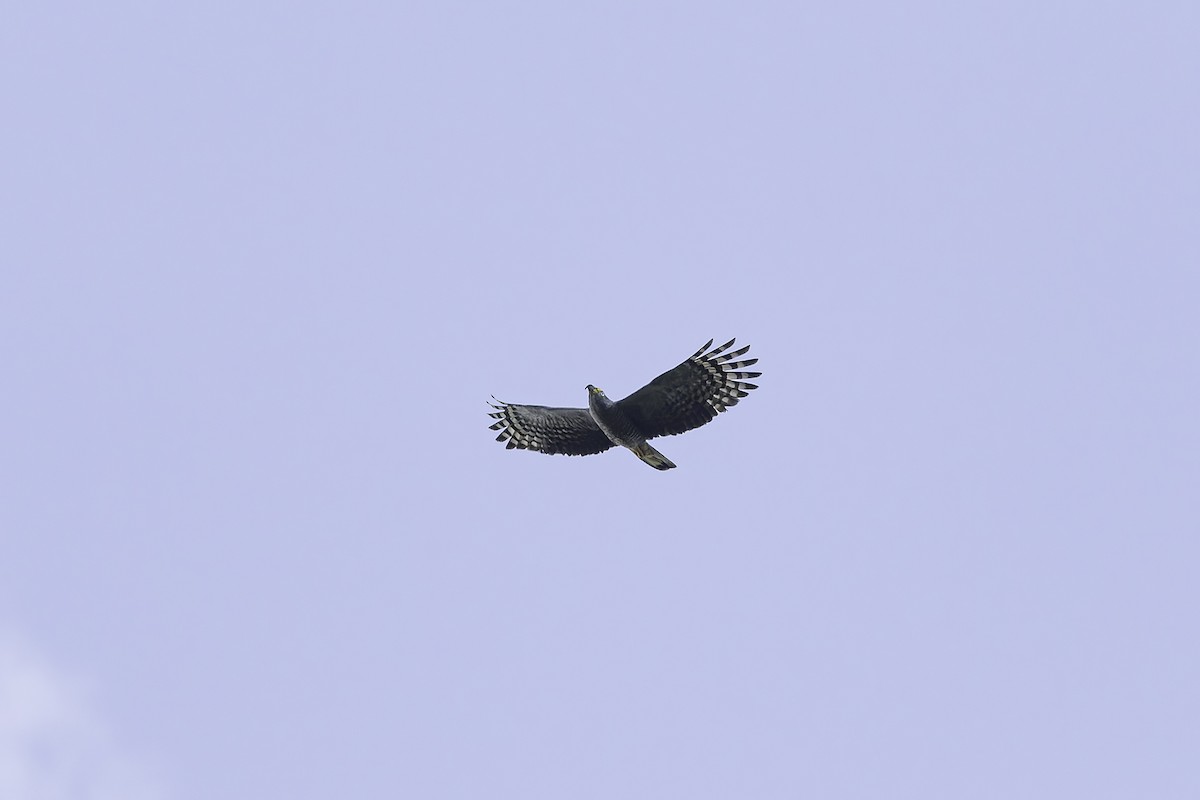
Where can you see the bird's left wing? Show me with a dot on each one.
(691, 394)
(570, 431)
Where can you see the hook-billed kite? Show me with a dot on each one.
(679, 400)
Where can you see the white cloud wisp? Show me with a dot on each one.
(52, 746)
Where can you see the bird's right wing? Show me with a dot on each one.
(570, 431)
(693, 393)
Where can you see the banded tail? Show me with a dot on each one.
(651, 456)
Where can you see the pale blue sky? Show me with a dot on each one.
(264, 263)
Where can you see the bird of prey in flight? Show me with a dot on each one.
(679, 400)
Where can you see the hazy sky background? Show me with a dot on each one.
(263, 263)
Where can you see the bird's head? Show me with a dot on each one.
(595, 390)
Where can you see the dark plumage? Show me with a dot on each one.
(677, 401)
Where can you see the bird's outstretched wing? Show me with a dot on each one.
(691, 394)
(548, 430)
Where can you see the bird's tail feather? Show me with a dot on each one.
(652, 457)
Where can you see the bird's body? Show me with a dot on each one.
(611, 419)
(679, 400)
(619, 429)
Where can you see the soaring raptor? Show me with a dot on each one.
(676, 401)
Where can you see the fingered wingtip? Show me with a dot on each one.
(712, 354)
